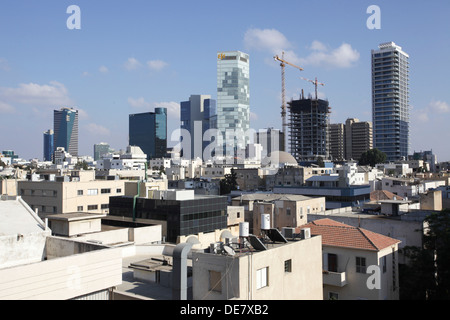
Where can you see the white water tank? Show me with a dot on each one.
(243, 229)
(265, 221)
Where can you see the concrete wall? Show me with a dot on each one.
(286, 213)
(22, 249)
(236, 215)
(356, 287)
(74, 228)
(63, 278)
(142, 235)
(239, 273)
(51, 197)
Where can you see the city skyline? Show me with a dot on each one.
(130, 58)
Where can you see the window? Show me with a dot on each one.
(93, 207)
(106, 191)
(384, 264)
(262, 278)
(360, 265)
(288, 211)
(215, 283)
(92, 192)
(80, 208)
(332, 262)
(80, 192)
(288, 265)
(118, 190)
(105, 206)
(333, 296)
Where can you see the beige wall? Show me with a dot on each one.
(238, 273)
(51, 197)
(285, 213)
(432, 200)
(8, 187)
(63, 278)
(356, 287)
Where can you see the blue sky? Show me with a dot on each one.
(132, 56)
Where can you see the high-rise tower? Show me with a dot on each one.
(148, 131)
(197, 116)
(65, 127)
(233, 95)
(390, 101)
(48, 145)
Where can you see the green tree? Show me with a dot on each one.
(229, 183)
(372, 157)
(427, 276)
(320, 162)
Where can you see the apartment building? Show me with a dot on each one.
(77, 192)
(358, 264)
(34, 265)
(269, 267)
(284, 210)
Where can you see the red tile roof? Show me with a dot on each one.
(383, 195)
(342, 235)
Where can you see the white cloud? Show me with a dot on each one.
(321, 56)
(6, 108)
(85, 74)
(276, 43)
(157, 65)
(318, 46)
(173, 108)
(266, 39)
(439, 106)
(103, 69)
(434, 108)
(132, 64)
(139, 103)
(96, 129)
(53, 94)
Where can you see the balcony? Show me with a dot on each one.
(336, 279)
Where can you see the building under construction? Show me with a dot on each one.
(309, 126)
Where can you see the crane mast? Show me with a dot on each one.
(283, 92)
(316, 83)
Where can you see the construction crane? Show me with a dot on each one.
(315, 82)
(283, 90)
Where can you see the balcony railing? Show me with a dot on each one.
(337, 279)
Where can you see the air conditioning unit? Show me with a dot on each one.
(288, 233)
(305, 233)
(216, 247)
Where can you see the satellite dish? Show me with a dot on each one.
(229, 250)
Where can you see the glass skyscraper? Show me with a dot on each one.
(149, 132)
(390, 101)
(197, 116)
(65, 127)
(233, 94)
(48, 145)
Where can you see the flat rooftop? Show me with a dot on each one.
(17, 218)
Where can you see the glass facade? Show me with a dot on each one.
(65, 127)
(390, 101)
(100, 149)
(149, 132)
(233, 93)
(183, 217)
(48, 145)
(199, 110)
